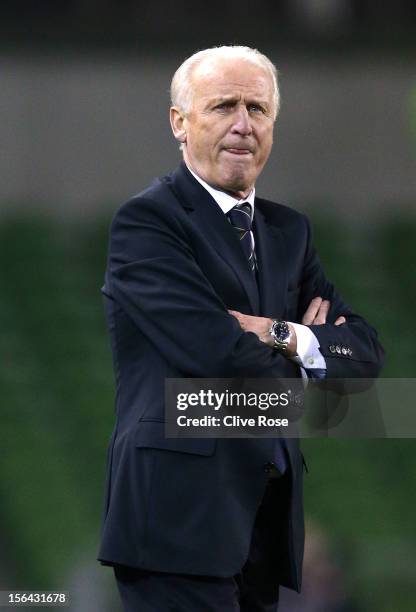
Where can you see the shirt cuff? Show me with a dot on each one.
(308, 354)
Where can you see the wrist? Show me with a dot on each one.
(283, 337)
(280, 334)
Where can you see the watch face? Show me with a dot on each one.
(281, 331)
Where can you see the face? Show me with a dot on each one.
(228, 134)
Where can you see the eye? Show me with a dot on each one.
(225, 106)
(255, 108)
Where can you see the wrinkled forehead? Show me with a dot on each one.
(228, 68)
(230, 76)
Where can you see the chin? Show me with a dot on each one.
(238, 182)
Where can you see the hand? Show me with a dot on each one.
(317, 312)
(258, 325)
(261, 327)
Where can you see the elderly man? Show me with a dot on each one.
(205, 279)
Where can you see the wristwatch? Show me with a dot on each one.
(281, 335)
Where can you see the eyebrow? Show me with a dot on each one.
(235, 99)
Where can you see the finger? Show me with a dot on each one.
(246, 321)
(340, 321)
(311, 311)
(320, 318)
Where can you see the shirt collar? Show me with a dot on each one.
(224, 200)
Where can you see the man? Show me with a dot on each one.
(205, 279)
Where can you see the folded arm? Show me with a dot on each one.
(347, 343)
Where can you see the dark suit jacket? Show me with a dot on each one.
(175, 266)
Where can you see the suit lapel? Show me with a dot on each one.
(272, 268)
(210, 219)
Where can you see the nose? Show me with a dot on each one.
(241, 124)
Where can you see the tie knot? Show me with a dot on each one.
(240, 216)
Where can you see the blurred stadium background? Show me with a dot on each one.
(84, 98)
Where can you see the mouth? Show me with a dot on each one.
(238, 151)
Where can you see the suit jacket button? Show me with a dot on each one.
(268, 466)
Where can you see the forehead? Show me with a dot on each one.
(229, 77)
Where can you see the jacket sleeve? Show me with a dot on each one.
(153, 276)
(351, 350)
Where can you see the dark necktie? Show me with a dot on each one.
(240, 218)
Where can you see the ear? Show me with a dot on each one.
(177, 122)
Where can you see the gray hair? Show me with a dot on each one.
(181, 89)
